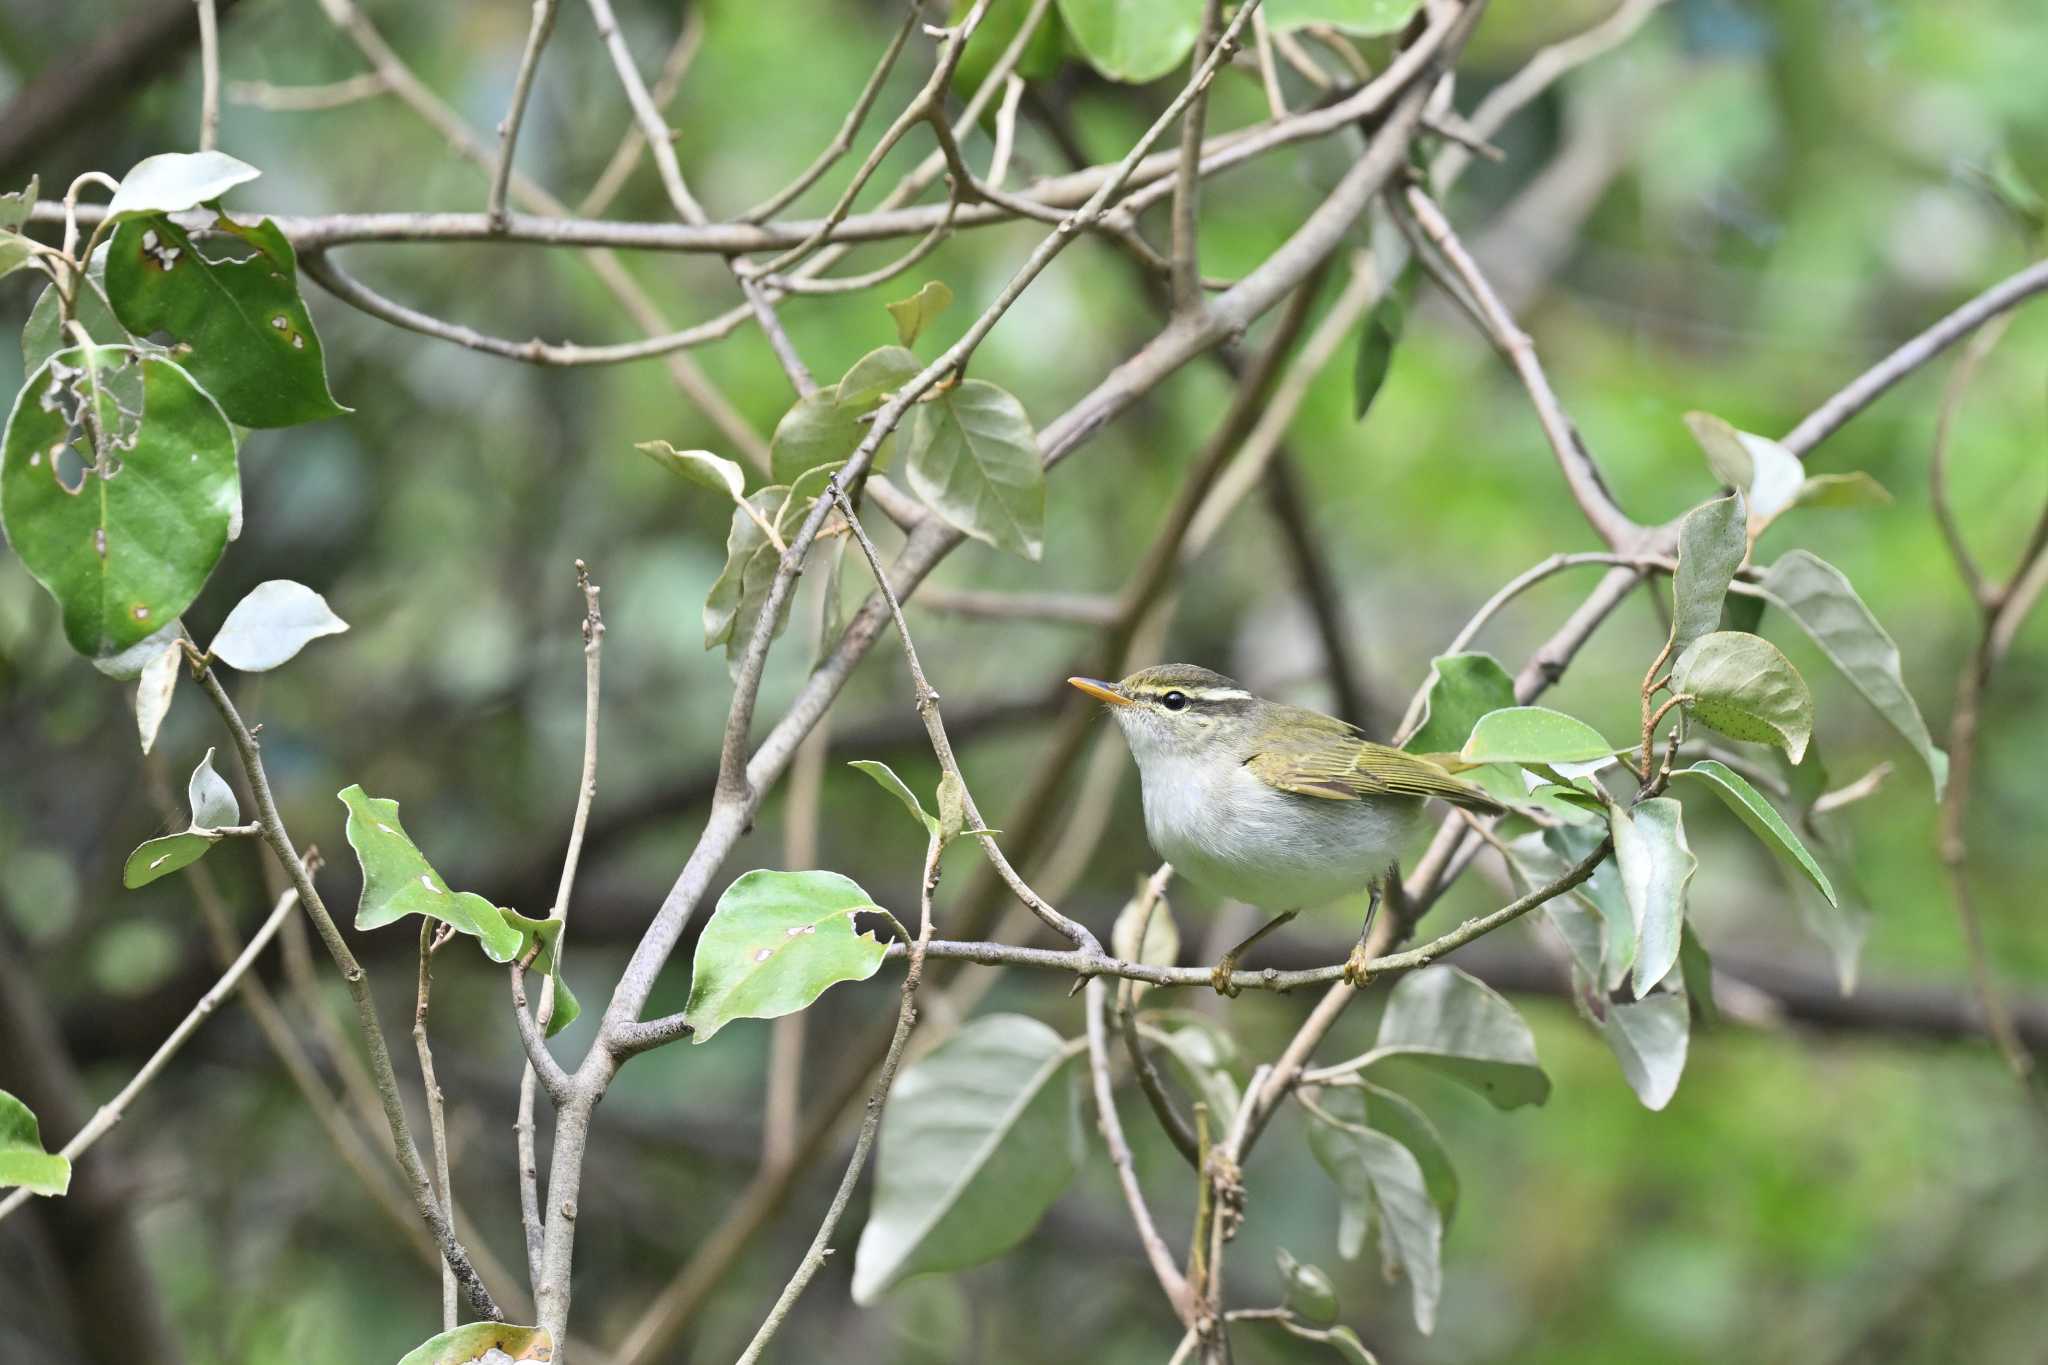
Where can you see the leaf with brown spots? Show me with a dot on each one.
(247, 334)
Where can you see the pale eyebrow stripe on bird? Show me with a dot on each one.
(1192, 693)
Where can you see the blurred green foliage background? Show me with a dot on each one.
(1738, 211)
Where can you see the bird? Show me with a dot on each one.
(1276, 805)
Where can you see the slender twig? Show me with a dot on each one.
(209, 76)
(906, 1016)
(112, 1111)
(437, 1122)
(1171, 1281)
(1187, 275)
(357, 981)
(1078, 609)
(927, 703)
(295, 99)
(522, 86)
(660, 139)
(778, 339)
(1269, 75)
(1582, 476)
(1952, 392)
(842, 141)
(633, 142)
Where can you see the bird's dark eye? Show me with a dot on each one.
(1174, 701)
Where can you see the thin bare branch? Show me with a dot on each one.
(110, 1113)
(209, 76)
(298, 99)
(1186, 289)
(522, 87)
(660, 138)
(632, 143)
(1171, 1280)
(437, 1121)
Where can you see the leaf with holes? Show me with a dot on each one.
(246, 332)
(775, 943)
(16, 205)
(1133, 40)
(1533, 734)
(1762, 818)
(978, 1140)
(1818, 596)
(175, 181)
(537, 936)
(885, 777)
(399, 881)
(1367, 18)
(915, 313)
(1711, 544)
(122, 530)
(1742, 686)
(272, 624)
(42, 336)
(1656, 867)
(473, 1342)
(1455, 1024)
(23, 1161)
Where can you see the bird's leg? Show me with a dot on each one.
(1226, 966)
(1356, 974)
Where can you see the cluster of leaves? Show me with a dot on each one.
(969, 451)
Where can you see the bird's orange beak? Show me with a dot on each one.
(1101, 691)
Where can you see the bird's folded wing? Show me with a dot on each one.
(1340, 768)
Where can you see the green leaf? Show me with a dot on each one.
(915, 313)
(1603, 894)
(776, 941)
(1400, 1119)
(700, 467)
(16, 206)
(212, 799)
(1711, 544)
(952, 798)
(1309, 1292)
(42, 336)
(1649, 1038)
(1533, 734)
(831, 620)
(175, 181)
(1345, 1343)
(1854, 489)
(1764, 472)
(122, 532)
(1815, 593)
(978, 1140)
(973, 456)
(1457, 1025)
(1696, 977)
(1743, 686)
(1368, 18)
(1656, 866)
(469, 1343)
(1377, 1173)
(1462, 688)
(814, 430)
(873, 378)
(272, 624)
(399, 881)
(733, 606)
(23, 1161)
(162, 856)
(15, 252)
(886, 778)
(1376, 342)
(538, 936)
(245, 332)
(1761, 817)
(1043, 51)
(153, 690)
(1133, 40)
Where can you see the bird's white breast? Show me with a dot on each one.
(1228, 832)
